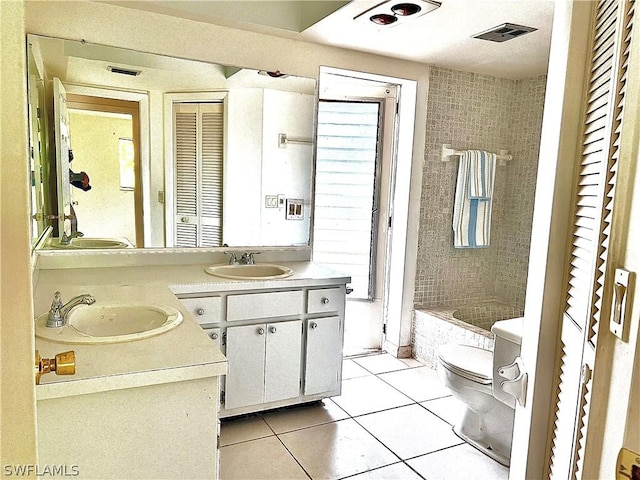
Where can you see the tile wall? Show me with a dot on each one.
(472, 111)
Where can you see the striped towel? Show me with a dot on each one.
(473, 199)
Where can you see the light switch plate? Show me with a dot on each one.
(622, 288)
(271, 201)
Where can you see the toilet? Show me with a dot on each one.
(473, 376)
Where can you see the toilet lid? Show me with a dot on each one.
(472, 363)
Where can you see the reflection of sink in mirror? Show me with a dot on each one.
(262, 271)
(90, 243)
(111, 323)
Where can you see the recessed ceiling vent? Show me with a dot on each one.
(504, 32)
(124, 71)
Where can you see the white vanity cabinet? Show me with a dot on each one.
(283, 346)
(264, 363)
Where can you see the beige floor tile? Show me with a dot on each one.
(367, 395)
(418, 383)
(351, 369)
(409, 431)
(380, 363)
(241, 429)
(336, 450)
(411, 362)
(397, 471)
(303, 416)
(462, 461)
(447, 408)
(262, 459)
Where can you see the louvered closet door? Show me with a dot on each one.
(198, 144)
(595, 189)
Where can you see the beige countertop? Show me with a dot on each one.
(182, 353)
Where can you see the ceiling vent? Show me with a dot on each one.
(124, 71)
(504, 32)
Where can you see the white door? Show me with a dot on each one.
(323, 355)
(282, 362)
(584, 311)
(61, 126)
(198, 164)
(353, 185)
(245, 352)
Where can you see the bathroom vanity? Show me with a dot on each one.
(151, 408)
(284, 345)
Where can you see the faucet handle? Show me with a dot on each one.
(233, 260)
(54, 319)
(247, 257)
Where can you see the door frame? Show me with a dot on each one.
(380, 94)
(406, 189)
(112, 105)
(143, 172)
(550, 239)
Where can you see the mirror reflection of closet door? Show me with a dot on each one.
(198, 166)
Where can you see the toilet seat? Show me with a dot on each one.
(472, 363)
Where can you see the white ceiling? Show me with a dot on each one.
(442, 37)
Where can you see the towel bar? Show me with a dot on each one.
(502, 156)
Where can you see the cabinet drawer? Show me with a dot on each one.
(264, 305)
(325, 300)
(214, 335)
(205, 309)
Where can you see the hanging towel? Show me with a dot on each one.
(473, 199)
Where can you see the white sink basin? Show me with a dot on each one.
(85, 242)
(111, 323)
(261, 271)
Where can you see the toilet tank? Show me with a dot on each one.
(508, 337)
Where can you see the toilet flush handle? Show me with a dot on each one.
(516, 380)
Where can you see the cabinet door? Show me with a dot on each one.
(282, 364)
(323, 365)
(244, 383)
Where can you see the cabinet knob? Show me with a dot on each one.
(214, 336)
(261, 331)
(184, 219)
(325, 300)
(272, 329)
(313, 325)
(200, 311)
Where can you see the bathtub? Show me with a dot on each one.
(469, 324)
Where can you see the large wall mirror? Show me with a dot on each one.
(130, 149)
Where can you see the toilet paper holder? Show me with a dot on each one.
(516, 380)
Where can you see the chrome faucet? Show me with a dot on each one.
(247, 258)
(59, 312)
(233, 259)
(66, 240)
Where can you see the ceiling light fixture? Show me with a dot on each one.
(276, 74)
(383, 19)
(393, 12)
(405, 9)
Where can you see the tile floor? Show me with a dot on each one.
(392, 421)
